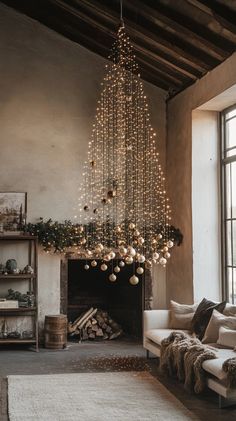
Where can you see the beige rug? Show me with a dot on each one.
(118, 396)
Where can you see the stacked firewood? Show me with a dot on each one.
(94, 324)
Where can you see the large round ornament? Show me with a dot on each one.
(86, 267)
(129, 260)
(103, 267)
(141, 241)
(170, 244)
(122, 264)
(131, 225)
(165, 249)
(163, 261)
(134, 280)
(148, 264)
(112, 277)
(159, 236)
(167, 255)
(122, 250)
(141, 258)
(107, 258)
(116, 269)
(112, 254)
(131, 251)
(139, 270)
(136, 233)
(155, 255)
(93, 263)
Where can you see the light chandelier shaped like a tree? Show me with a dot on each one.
(124, 206)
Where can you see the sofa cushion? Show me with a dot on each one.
(157, 335)
(214, 367)
(230, 310)
(227, 337)
(181, 315)
(203, 314)
(216, 321)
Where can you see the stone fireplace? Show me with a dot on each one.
(82, 289)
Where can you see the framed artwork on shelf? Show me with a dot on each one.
(13, 211)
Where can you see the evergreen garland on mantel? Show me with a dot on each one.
(61, 237)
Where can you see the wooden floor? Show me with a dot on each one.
(102, 356)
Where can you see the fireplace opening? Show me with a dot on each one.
(122, 301)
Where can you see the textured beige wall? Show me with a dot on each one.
(179, 170)
(49, 87)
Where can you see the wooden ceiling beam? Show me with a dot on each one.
(136, 33)
(225, 16)
(163, 18)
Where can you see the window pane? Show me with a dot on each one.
(234, 244)
(231, 114)
(231, 133)
(233, 179)
(228, 244)
(230, 284)
(228, 190)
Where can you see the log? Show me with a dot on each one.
(82, 323)
(73, 326)
(99, 333)
(115, 334)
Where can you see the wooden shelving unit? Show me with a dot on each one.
(32, 260)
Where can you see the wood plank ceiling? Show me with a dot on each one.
(176, 41)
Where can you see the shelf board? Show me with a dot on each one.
(18, 237)
(18, 310)
(20, 276)
(17, 341)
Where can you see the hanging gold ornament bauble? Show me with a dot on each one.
(121, 264)
(170, 243)
(141, 258)
(129, 260)
(116, 269)
(131, 225)
(103, 267)
(86, 267)
(131, 251)
(93, 263)
(139, 270)
(134, 280)
(112, 277)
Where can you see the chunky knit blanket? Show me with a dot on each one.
(183, 356)
(229, 367)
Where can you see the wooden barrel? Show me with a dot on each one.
(55, 330)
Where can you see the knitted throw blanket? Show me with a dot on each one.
(183, 356)
(229, 367)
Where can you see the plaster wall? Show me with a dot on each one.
(206, 215)
(179, 171)
(49, 88)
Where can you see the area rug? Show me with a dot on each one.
(114, 396)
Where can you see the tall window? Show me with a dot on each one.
(229, 201)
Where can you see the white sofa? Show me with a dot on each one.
(155, 329)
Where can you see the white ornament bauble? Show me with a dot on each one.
(141, 240)
(83, 241)
(116, 269)
(141, 258)
(107, 258)
(134, 280)
(170, 244)
(129, 260)
(131, 225)
(86, 267)
(167, 255)
(163, 261)
(112, 254)
(88, 252)
(155, 256)
(148, 264)
(159, 236)
(154, 241)
(93, 263)
(136, 233)
(103, 267)
(131, 251)
(165, 249)
(139, 270)
(112, 277)
(123, 250)
(122, 264)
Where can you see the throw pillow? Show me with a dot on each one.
(216, 321)
(181, 315)
(203, 314)
(227, 337)
(230, 310)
